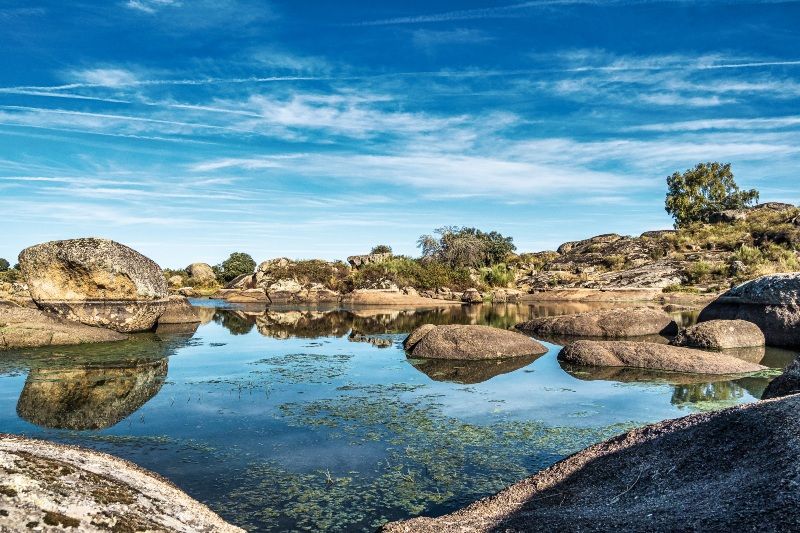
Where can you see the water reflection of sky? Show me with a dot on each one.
(256, 409)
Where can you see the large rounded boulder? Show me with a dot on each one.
(31, 328)
(201, 273)
(97, 282)
(653, 356)
(473, 343)
(606, 323)
(771, 302)
(720, 335)
(785, 384)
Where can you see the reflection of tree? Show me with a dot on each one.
(235, 322)
(720, 391)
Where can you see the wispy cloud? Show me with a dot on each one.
(150, 6)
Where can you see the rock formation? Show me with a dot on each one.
(30, 328)
(97, 282)
(653, 356)
(179, 311)
(727, 470)
(473, 343)
(720, 335)
(201, 273)
(771, 302)
(785, 384)
(606, 323)
(53, 487)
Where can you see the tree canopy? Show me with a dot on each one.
(237, 264)
(4, 264)
(381, 249)
(465, 247)
(703, 190)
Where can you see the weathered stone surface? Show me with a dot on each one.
(88, 398)
(358, 261)
(179, 311)
(653, 356)
(30, 328)
(97, 282)
(67, 488)
(771, 302)
(247, 296)
(785, 384)
(393, 297)
(472, 296)
(720, 335)
(417, 335)
(727, 470)
(598, 239)
(658, 275)
(175, 282)
(201, 273)
(606, 323)
(474, 343)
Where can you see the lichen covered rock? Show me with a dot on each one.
(474, 343)
(97, 282)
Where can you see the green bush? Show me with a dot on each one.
(404, 271)
(237, 264)
(4, 264)
(332, 275)
(381, 249)
(499, 275)
(699, 272)
(11, 275)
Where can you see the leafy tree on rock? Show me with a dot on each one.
(237, 264)
(703, 190)
(466, 247)
(381, 249)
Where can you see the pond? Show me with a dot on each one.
(315, 419)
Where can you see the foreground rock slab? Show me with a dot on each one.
(771, 302)
(653, 356)
(472, 343)
(720, 335)
(66, 488)
(732, 469)
(97, 282)
(31, 328)
(606, 323)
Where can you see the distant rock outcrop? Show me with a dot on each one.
(201, 273)
(358, 261)
(97, 282)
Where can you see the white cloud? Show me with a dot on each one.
(106, 77)
(151, 6)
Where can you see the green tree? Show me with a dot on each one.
(237, 264)
(466, 247)
(4, 264)
(703, 190)
(381, 249)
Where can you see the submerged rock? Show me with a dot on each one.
(607, 323)
(88, 398)
(727, 470)
(771, 302)
(720, 335)
(785, 384)
(59, 487)
(179, 311)
(31, 328)
(474, 343)
(653, 356)
(97, 282)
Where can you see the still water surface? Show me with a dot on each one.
(315, 419)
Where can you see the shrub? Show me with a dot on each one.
(404, 271)
(4, 264)
(466, 247)
(497, 275)
(703, 190)
(614, 262)
(237, 264)
(381, 249)
(698, 272)
(332, 275)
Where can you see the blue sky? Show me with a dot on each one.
(192, 128)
